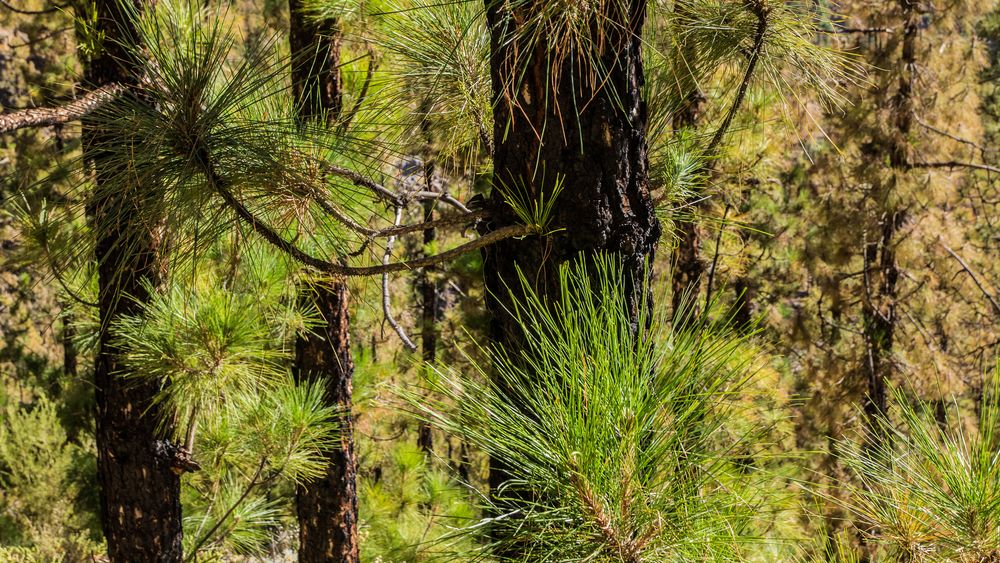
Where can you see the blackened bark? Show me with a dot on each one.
(136, 468)
(315, 49)
(327, 507)
(428, 318)
(570, 124)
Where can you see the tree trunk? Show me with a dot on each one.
(327, 507)
(687, 267)
(315, 50)
(881, 267)
(564, 120)
(428, 318)
(140, 483)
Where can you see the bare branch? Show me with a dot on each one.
(944, 133)
(77, 109)
(364, 182)
(955, 164)
(386, 305)
(863, 30)
(975, 279)
(17, 10)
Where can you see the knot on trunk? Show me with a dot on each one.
(175, 456)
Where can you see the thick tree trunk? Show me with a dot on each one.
(136, 469)
(563, 120)
(327, 507)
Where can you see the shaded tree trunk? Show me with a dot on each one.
(315, 51)
(137, 470)
(428, 318)
(562, 120)
(687, 267)
(881, 268)
(327, 507)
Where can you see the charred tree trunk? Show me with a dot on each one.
(327, 507)
(560, 119)
(136, 468)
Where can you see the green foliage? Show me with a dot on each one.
(619, 446)
(44, 506)
(206, 341)
(439, 54)
(411, 511)
(930, 491)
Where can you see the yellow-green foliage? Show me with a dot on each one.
(46, 481)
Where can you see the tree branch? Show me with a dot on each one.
(975, 278)
(944, 133)
(863, 30)
(955, 164)
(386, 305)
(220, 186)
(77, 109)
(17, 10)
(760, 10)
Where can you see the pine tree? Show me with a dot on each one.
(327, 507)
(138, 466)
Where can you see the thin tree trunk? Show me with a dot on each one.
(315, 50)
(687, 267)
(881, 267)
(428, 317)
(327, 507)
(136, 468)
(578, 129)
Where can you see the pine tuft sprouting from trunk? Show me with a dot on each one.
(570, 130)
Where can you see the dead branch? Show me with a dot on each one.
(77, 109)
(975, 279)
(386, 304)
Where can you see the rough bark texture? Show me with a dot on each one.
(315, 48)
(579, 129)
(140, 485)
(73, 111)
(328, 507)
